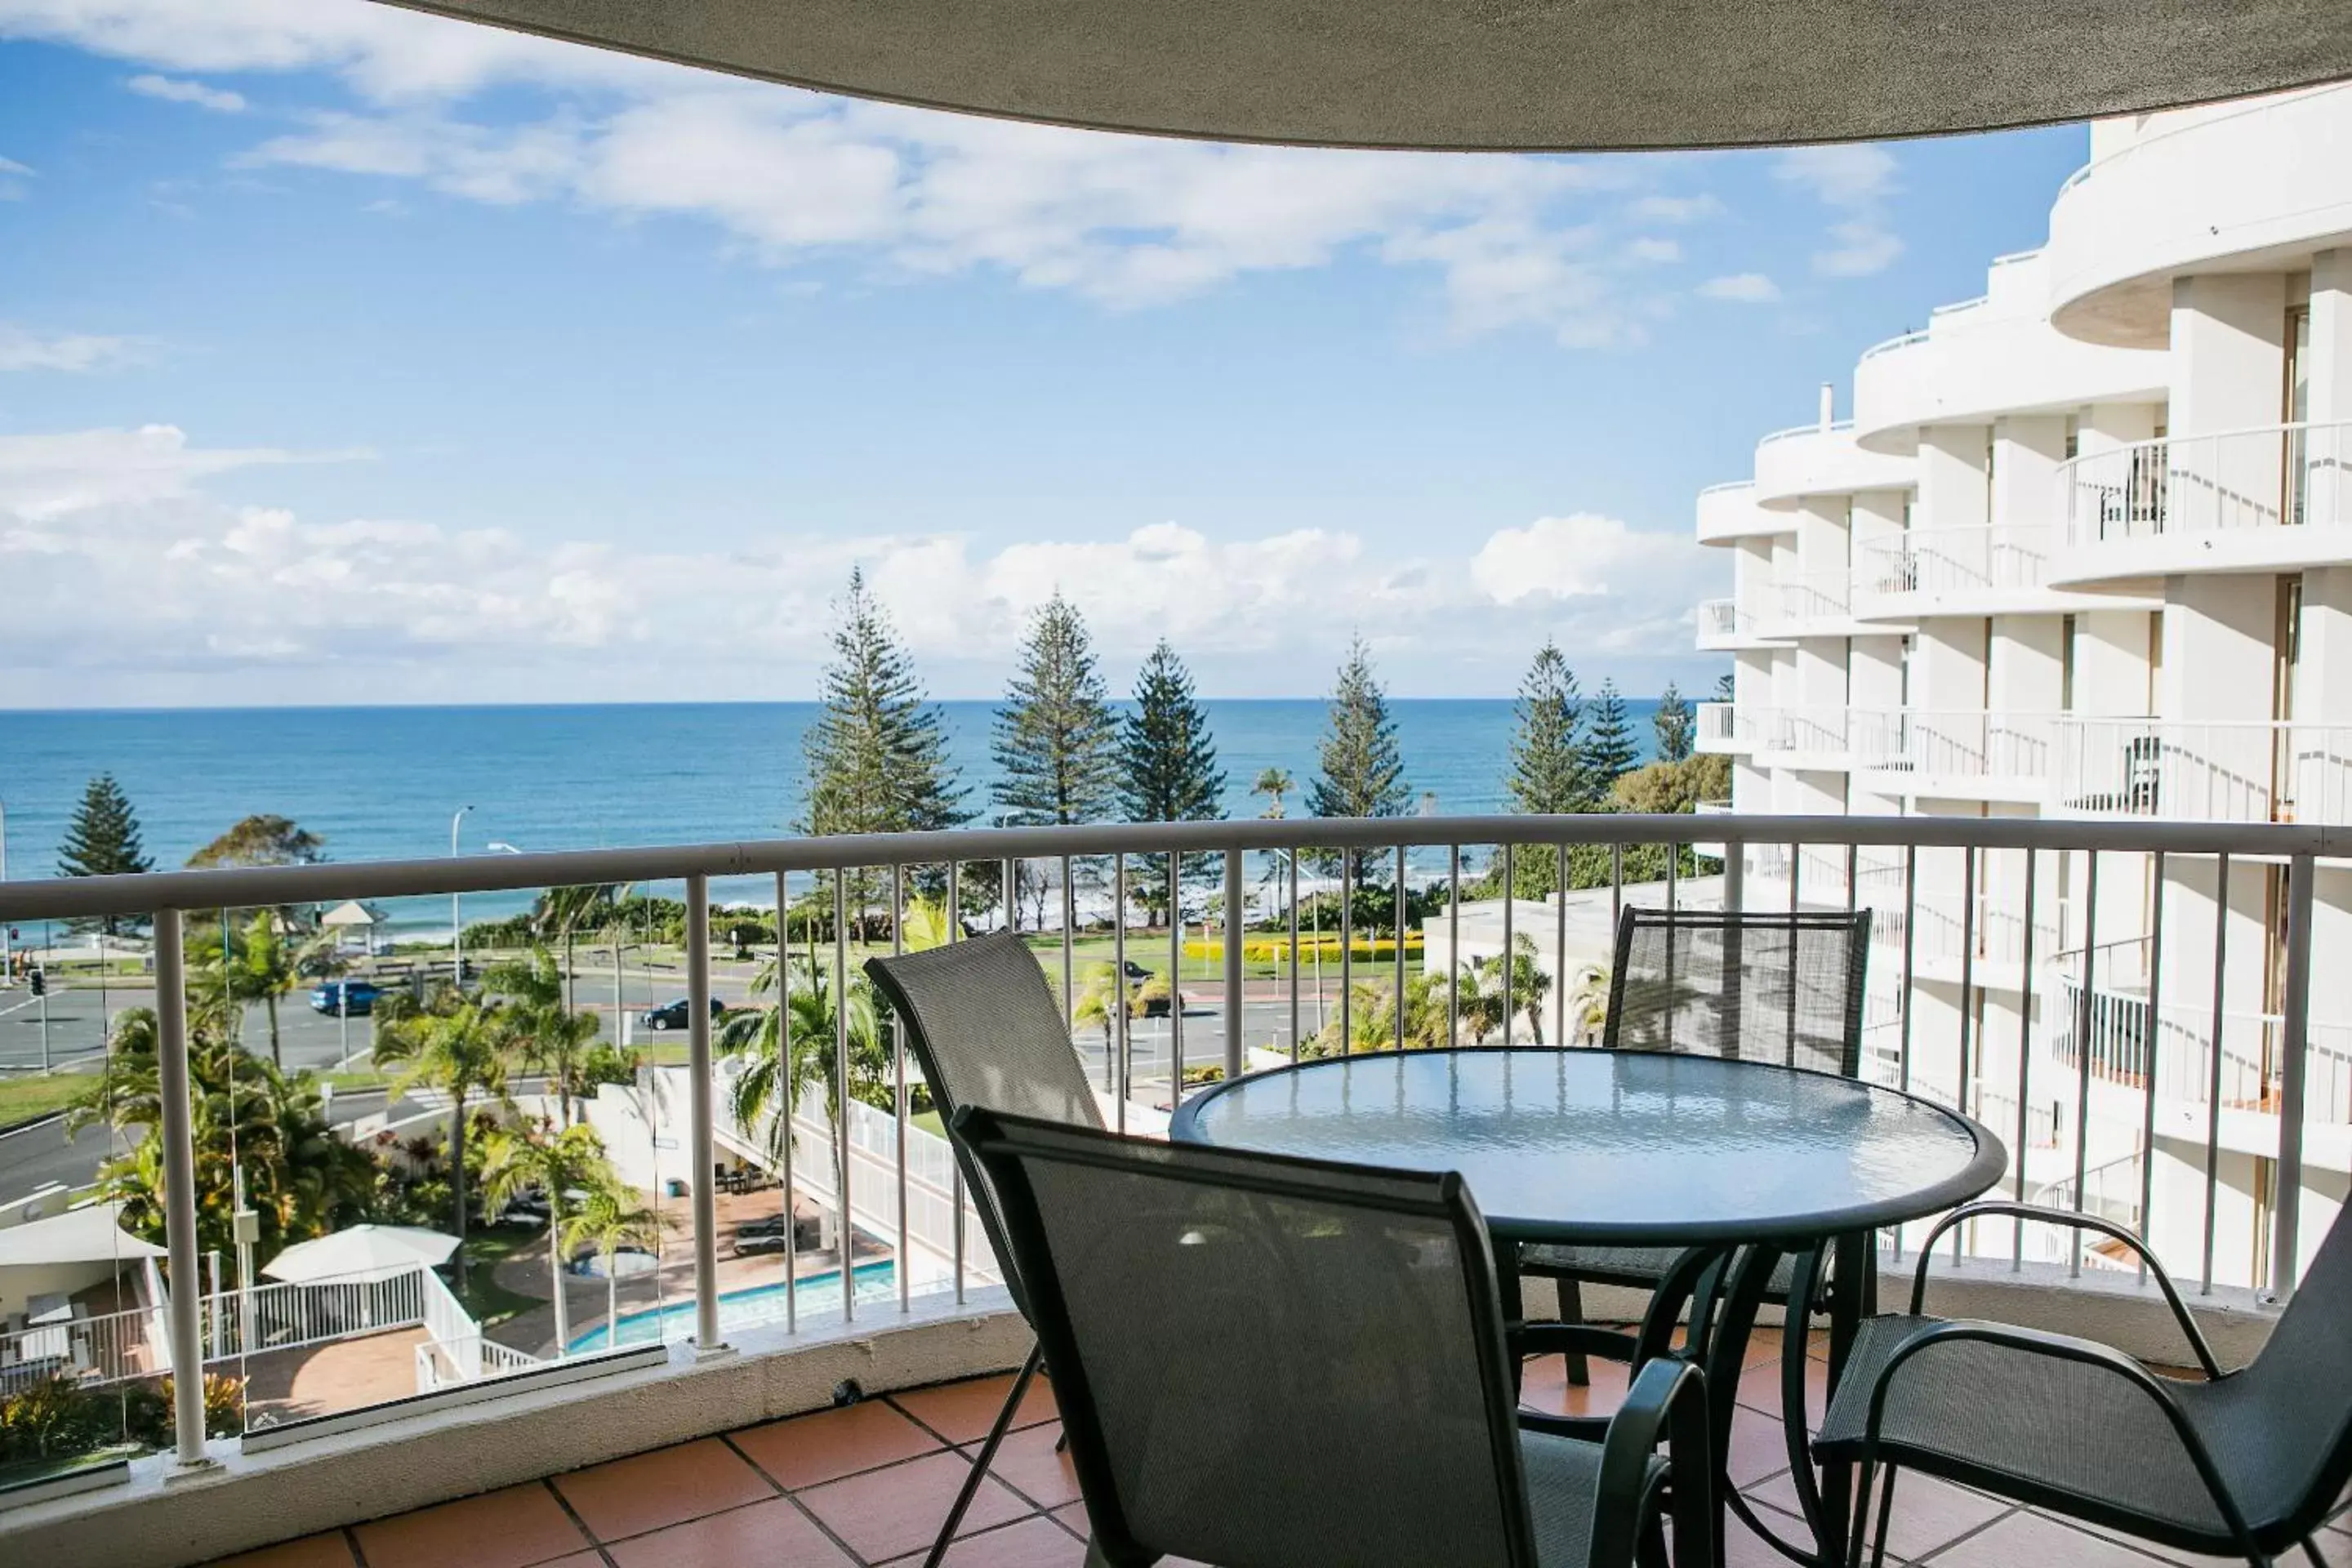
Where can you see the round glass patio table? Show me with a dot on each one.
(1638, 1149)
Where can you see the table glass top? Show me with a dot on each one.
(1621, 1146)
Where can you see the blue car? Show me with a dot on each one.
(332, 996)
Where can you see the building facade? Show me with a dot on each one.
(2085, 548)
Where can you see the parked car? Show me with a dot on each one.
(674, 1015)
(332, 996)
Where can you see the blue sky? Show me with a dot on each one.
(352, 355)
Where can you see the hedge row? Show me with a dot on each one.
(1272, 950)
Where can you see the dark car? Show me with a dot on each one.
(354, 998)
(674, 1015)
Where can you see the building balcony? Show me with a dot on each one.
(1814, 604)
(1959, 754)
(1810, 738)
(2272, 499)
(1823, 460)
(798, 1257)
(1727, 513)
(1975, 571)
(1991, 357)
(2281, 770)
(1724, 627)
(2256, 185)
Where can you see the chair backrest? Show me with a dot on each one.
(987, 1032)
(2301, 1391)
(1760, 986)
(1263, 1361)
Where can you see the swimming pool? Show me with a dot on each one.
(757, 1306)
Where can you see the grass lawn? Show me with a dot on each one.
(929, 1120)
(489, 1301)
(23, 1098)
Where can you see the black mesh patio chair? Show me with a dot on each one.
(1781, 987)
(986, 1031)
(1272, 1363)
(2244, 1464)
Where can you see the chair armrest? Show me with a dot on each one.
(2058, 1347)
(1668, 1402)
(2004, 1208)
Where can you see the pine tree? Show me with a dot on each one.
(1363, 774)
(1546, 768)
(102, 840)
(1610, 752)
(1055, 738)
(1723, 687)
(1675, 725)
(1168, 756)
(876, 759)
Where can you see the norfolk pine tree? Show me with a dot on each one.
(1362, 772)
(102, 840)
(1167, 760)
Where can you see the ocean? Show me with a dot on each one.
(382, 782)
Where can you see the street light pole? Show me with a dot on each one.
(7, 958)
(457, 925)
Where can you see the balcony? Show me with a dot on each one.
(1728, 512)
(1823, 460)
(1818, 604)
(1812, 738)
(1959, 754)
(2281, 770)
(1994, 570)
(2248, 186)
(798, 1250)
(1724, 627)
(2272, 499)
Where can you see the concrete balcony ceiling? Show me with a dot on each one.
(1540, 75)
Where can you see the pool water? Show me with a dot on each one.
(757, 1306)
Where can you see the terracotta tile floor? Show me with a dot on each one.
(866, 1486)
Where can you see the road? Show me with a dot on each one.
(36, 1156)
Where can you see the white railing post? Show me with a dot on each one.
(2302, 880)
(1235, 926)
(700, 1111)
(180, 1193)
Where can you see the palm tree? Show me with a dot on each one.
(1487, 998)
(609, 1221)
(255, 965)
(541, 1026)
(521, 1160)
(1587, 1004)
(566, 911)
(1274, 782)
(458, 1049)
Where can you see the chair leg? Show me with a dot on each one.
(1886, 1509)
(972, 1479)
(2311, 1549)
(1098, 1558)
(1571, 1310)
(1861, 1528)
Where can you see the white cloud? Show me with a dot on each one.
(122, 569)
(1653, 249)
(1741, 288)
(1862, 247)
(220, 101)
(1574, 557)
(1676, 209)
(1847, 175)
(21, 348)
(1856, 179)
(10, 166)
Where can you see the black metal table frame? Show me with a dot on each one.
(1721, 1281)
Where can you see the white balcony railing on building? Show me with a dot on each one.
(2177, 1054)
(1955, 561)
(1813, 595)
(2281, 771)
(1956, 743)
(2279, 476)
(1250, 870)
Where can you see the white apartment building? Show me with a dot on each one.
(2085, 548)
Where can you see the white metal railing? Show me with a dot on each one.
(1813, 595)
(1956, 744)
(1724, 618)
(2278, 476)
(1880, 860)
(1954, 561)
(1717, 724)
(2248, 771)
(468, 1358)
(2253, 1065)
